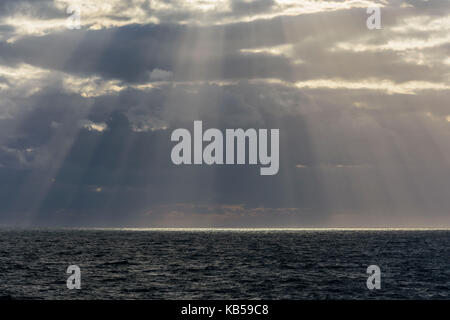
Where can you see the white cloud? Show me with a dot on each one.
(91, 86)
(410, 87)
(90, 125)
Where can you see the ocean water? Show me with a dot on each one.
(208, 264)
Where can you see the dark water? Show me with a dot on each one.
(225, 265)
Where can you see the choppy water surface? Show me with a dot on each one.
(118, 264)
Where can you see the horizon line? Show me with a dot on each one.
(235, 229)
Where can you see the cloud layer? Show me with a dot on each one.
(86, 115)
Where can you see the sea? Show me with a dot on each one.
(225, 263)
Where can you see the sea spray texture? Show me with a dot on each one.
(213, 152)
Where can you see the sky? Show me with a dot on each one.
(86, 114)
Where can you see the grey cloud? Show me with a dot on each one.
(160, 75)
(132, 52)
(42, 9)
(240, 7)
(105, 174)
(367, 155)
